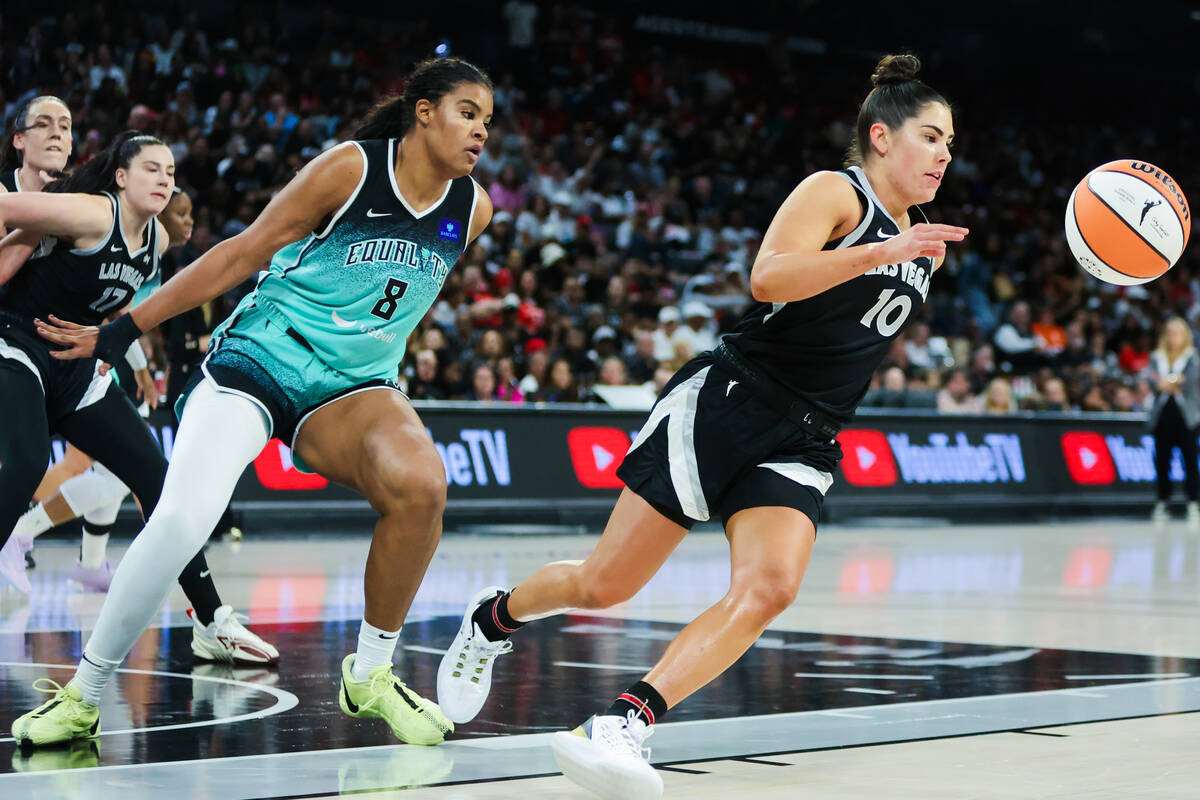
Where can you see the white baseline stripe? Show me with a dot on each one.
(1141, 676)
(617, 667)
(284, 700)
(861, 690)
(863, 676)
(416, 648)
(543, 739)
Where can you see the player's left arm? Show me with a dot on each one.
(15, 249)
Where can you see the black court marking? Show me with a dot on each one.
(685, 771)
(749, 760)
(530, 694)
(1045, 733)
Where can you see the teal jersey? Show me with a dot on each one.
(355, 291)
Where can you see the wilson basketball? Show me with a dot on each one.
(1127, 222)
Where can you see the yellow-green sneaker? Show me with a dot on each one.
(63, 717)
(413, 719)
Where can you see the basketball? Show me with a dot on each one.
(1127, 222)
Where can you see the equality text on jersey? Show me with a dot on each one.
(116, 271)
(398, 251)
(910, 272)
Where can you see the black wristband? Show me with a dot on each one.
(115, 337)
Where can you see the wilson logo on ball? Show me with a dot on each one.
(1114, 225)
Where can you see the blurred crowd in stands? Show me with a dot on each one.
(633, 177)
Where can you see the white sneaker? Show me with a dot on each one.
(12, 565)
(1160, 515)
(465, 674)
(227, 639)
(605, 755)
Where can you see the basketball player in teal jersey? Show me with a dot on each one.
(359, 245)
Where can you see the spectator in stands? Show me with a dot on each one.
(507, 386)
(999, 398)
(483, 382)
(955, 397)
(1014, 340)
(561, 386)
(641, 363)
(1175, 416)
(424, 384)
(699, 330)
(1054, 396)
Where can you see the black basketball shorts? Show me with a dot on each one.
(711, 448)
(68, 385)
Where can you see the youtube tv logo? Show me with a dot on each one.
(275, 470)
(1088, 458)
(867, 458)
(596, 453)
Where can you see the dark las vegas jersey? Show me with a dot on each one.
(82, 286)
(9, 180)
(825, 348)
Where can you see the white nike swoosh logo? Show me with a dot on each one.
(371, 213)
(116, 248)
(341, 323)
(883, 235)
(206, 573)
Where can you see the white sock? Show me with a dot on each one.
(375, 648)
(93, 674)
(33, 522)
(93, 549)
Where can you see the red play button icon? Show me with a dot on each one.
(1089, 461)
(596, 453)
(867, 458)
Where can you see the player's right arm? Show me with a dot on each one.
(791, 264)
(318, 190)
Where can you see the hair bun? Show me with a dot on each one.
(896, 69)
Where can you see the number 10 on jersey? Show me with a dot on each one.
(888, 314)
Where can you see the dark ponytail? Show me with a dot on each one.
(896, 98)
(99, 173)
(10, 157)
(431, 80)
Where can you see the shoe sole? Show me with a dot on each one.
(576, 757)
(201, 651)
(425, 738)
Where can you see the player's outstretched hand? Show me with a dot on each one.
(924, 240)
(76, 341)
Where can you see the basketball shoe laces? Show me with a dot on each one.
(628, 737)
(479, 651)
(71, 708)
(383, 679)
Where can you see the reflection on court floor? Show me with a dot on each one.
(1031, 627)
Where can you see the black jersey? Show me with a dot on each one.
(9, 180)
(825, 348)
(82, 286)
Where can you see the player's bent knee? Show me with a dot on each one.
(396, 488)
(768, 599)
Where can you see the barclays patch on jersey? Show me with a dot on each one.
(450, 229)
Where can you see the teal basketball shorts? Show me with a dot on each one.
(256, 357)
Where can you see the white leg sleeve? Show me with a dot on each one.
(219, 435)
(95, 495)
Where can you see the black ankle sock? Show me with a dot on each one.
(493, 619)
(197, 583)
(641, 698)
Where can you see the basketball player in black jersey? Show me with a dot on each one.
(38, 145)
(94, 250)
(746, 433)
